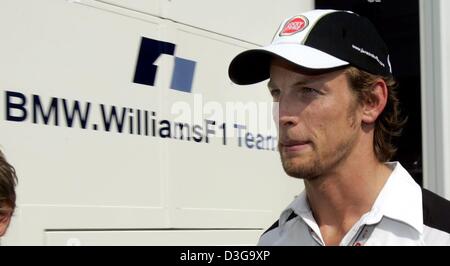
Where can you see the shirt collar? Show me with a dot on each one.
(400, 199)
(299, 206)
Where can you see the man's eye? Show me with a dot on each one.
(309, 90)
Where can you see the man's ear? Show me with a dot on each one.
(5, 219)
(375, 102)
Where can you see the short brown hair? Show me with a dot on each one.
(8, 181)
(390, 122)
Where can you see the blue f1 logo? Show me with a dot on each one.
(183, 72)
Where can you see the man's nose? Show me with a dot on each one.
(287, 116)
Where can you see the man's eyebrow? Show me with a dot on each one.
(271, 84)
(302, 82)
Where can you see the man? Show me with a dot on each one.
(331, 75)
(8, 180)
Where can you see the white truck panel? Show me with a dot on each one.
(73, 179)
(252, 21)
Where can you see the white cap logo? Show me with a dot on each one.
(294, 25)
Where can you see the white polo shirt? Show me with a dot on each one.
(403, 214)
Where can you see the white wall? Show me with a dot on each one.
(435, 53)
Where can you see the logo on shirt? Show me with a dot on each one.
(294, 25)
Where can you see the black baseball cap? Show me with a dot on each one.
(317, 40)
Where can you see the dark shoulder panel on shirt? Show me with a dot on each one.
(275, 225)
(436, 211)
